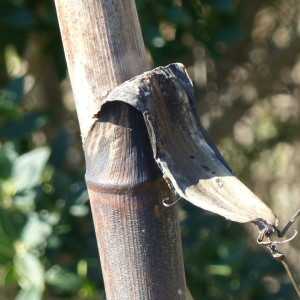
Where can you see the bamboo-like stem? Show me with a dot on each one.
(138, 239)
(103, 48)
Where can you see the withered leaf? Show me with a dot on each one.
(182, 148)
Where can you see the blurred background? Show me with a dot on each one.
(244, 60)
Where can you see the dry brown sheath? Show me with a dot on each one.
(182, 148)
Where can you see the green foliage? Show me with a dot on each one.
(47, 243)
(41, 206)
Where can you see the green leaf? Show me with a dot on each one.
(79, 210)
(30, 271)
(27, 168)
(63, 280)
(24, 200)
(9, 109)
(31, 293)
(17, 87)
(35, 232)
(6, 249)
(8, 224)
(7, 155)
(9, 276)
(22, 127)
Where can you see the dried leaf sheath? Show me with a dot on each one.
(182, 148)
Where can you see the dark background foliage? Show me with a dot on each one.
(243, 58)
